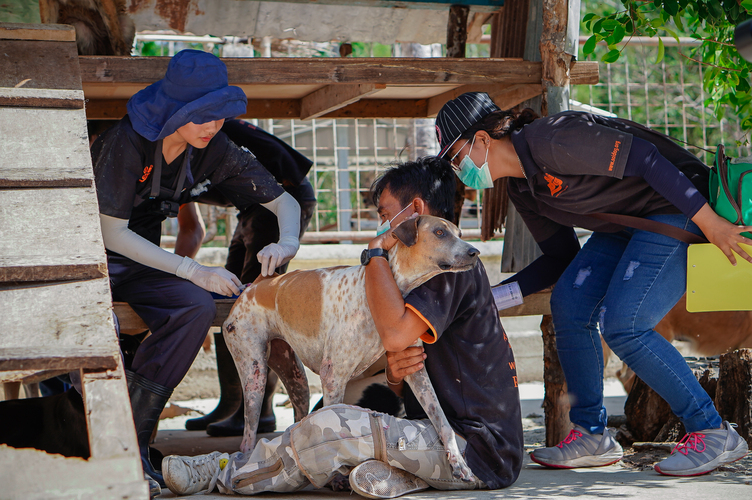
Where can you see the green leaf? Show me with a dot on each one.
(610, 24)
(680, 23)
(588, 17)
(619, 33)
(611, 56)
(747, 5)
(661, 50)
(589, 46)
(671, 6)
(672, 33)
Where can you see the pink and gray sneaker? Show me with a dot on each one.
(701, 452)
(580, 449)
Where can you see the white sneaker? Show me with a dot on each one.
(376, 479)
(701, 452)
(189, 475)
(580, 449)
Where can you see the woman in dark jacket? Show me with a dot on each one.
(562, 170)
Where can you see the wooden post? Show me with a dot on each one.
(733, 396)
(456, 41)
(457, 30)
(555, 59)
(556, 401)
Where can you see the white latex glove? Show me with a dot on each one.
(213, 279)
(274, 255)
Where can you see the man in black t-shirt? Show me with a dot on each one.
(467, 355)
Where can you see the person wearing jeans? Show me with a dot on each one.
(576, 169)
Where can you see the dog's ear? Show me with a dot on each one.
(407, 231)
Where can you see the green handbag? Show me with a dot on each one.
(731, 189)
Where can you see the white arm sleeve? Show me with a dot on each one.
(287, 210)
(118, 238)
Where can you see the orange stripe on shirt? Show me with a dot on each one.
(427, 337)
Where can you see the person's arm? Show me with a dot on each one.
(645, 161)
(191, 230)
(558, 251)
(287, 210)
(398, 326)
(722, 233)
(119, 238)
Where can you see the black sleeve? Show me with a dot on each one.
(558, 252)
(286, 164)
(242, 179)
(645, 161)
(573, 143)
(120, 169)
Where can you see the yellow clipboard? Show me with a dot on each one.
(713, 284)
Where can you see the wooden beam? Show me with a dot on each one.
(41, 98)
(60, 272)
(39, 65)
(45, 32)
(333, 97)
(383, 108)
(58, 358)
(536, 303)
(301, 70)
(129, 320)
(505, 96)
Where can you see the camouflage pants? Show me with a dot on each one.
(336, 439)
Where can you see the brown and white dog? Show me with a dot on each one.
(320, 319)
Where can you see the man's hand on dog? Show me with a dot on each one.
(404, 363)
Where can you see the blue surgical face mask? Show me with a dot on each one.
(472, 176)
(387, 224)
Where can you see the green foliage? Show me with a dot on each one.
(362, 49)
(725, 72)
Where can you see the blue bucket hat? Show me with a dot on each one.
(194, 89)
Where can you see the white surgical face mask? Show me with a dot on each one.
(387, 224)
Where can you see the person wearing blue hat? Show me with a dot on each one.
(644, 197)
(167, 151)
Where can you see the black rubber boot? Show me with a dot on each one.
(147, 402)
(233, 426)
(231, 393)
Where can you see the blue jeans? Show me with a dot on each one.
(623, 284)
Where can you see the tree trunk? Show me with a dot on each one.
(733, 397)
(649, 417)
(556, 401)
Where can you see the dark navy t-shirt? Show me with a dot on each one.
(123, 170)
(472, 369)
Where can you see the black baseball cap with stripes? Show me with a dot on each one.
(458, 115)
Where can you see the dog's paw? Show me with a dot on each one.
(460, 469)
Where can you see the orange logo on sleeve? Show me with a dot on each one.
(147, 171)
(613, 155)
(554, 184)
